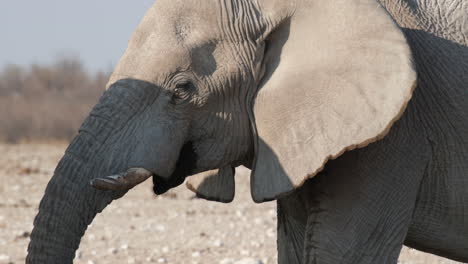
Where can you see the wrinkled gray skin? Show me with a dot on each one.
(411, 187)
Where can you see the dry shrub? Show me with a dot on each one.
(46, 102)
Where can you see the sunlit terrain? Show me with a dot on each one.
(142, 228)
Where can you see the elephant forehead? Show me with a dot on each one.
(179, 36)
(160, 44)
(185, 22)
(151, 63)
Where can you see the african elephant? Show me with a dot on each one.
(291, 89)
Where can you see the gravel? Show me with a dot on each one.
(142, 227)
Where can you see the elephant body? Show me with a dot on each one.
(313, 96)
(410, 187)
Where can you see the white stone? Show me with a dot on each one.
(271, 233)
(226, 261)
(165, 249)
(160, 228)
(244, 252)
(258, 221)
(218, 243)
(239, 213)
(249, 261)
(255, 244)
(124, 246)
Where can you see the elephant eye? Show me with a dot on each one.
(182, 92)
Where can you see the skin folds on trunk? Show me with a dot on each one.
(70, 203)
(66, 210)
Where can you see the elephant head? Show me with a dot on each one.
(205, 86)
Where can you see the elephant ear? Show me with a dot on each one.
(214, 185)
(338, 75)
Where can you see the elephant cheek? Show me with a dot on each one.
(185, 166)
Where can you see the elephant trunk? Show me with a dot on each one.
(70, 203)
(67, 208)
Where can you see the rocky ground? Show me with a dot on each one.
(143, 228)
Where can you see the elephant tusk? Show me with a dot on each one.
(122, 181)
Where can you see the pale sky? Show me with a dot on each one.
(39, 31)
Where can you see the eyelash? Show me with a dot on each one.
(182, 92)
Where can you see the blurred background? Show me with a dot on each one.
(55, 59)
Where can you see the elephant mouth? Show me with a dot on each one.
(185, 166)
